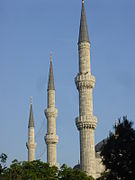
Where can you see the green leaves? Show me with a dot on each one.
(119, 153)
(67, 173)
(37, 170)
(3, 158)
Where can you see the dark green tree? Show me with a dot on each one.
(3, 159)
(118, 152)
(35, 170)
(67, 173)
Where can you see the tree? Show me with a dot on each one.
(118, 152)
(3, 159)
(67, 173)
(37, 170)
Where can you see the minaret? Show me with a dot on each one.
(86, 122)
(115, 127)
(31, 144)
(51, 113)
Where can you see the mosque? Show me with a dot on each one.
(86, 122)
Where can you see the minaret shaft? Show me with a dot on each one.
(87, 155)
(84, 58)
(85, 102)
(86, 122)
(31, 145)
(52, 154)
(31, 135)
(51, 123)
(51, 99)
(51, 113)
(51, 138)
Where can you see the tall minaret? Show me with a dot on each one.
(51, 113)
(31, 144)
(86, 122)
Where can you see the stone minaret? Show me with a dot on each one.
(86, 122)
(51, 113)
(31, 144)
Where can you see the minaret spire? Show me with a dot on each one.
(31, 144)
(83, 32)
(31, 100)
(51, 56)
(51, 78)
(51, 113)
(31, 119)
(115, 128)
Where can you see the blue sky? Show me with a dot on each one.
(29, 30)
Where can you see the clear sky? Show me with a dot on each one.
(29, 30)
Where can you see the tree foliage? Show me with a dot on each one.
(119, 152)
(37, 170)
(3, 158)
(67, 173)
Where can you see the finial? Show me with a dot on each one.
(83, 1)
(116, 123)
(116, 135)
(31, 100)
(51, 56)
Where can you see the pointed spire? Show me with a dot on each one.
(83, 34)
(115, 124)
(31, 119)
(51, 78)
(31, 100)
(116, 135)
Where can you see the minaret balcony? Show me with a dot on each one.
(85, 81)
(84, 45)
(51, 112)
(31, 146)
(88, 122)
(51, 139)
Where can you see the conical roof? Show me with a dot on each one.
(83, 33)
(51, 78)
(31, 118)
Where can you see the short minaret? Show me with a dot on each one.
(86, 122)
(31, 144)
(51, 113)
(115, 127)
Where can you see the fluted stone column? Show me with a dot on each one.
(31, 144)
(86, 122)
(51, 113)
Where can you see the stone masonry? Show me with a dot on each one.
(86, 122)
